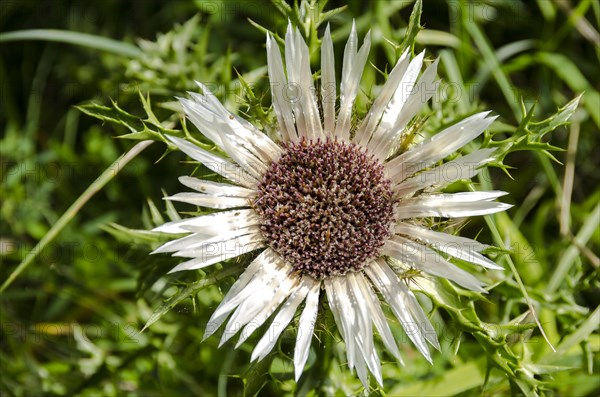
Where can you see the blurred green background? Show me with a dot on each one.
(71, 321)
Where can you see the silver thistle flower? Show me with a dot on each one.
(329, 207)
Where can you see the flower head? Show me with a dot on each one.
(330, 206)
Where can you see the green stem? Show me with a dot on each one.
(325, 351)
(484, 178)
(582, 333)
(98, 184)
(190, 290)
(572, 253)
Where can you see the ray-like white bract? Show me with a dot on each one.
(328, 207)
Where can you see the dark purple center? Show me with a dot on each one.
(326, 207)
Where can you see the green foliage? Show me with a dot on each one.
(94, 314)
(140, 129)
(530, 134)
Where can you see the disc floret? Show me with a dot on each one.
(325, 206)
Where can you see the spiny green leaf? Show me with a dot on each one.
(149, 128)
(157, 218)
(137, 236)
(257, 376)
(185, 293)
(414, 26)
(170, 208)
(529, 135)
(286, 10)
(113, 114)
(537, 130)
(328, 15)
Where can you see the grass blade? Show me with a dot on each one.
(76, 38)
(94, 188)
